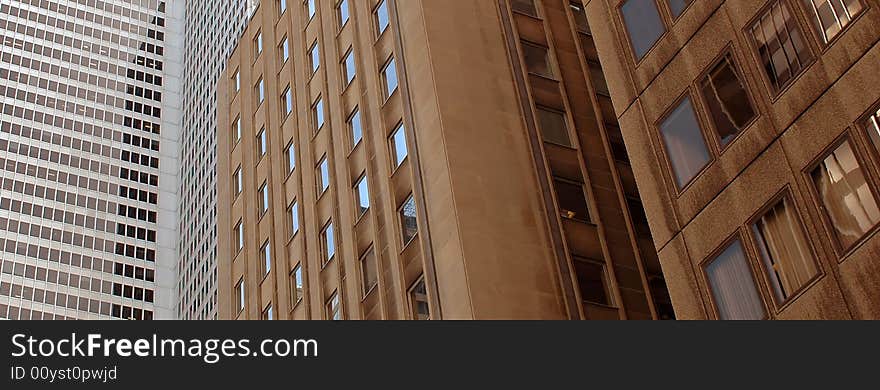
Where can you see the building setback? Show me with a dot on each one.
(88, 151)
(424, 159)
(753, 124)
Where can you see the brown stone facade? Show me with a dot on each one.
(525, 205)
(777, 219)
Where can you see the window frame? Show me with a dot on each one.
(750, 263)
(400, 225)
(703, 107)
(810, 14)
(356, 190)
(296, 276)
(672, 180)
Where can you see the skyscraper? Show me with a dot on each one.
(415, 159)
(212, 30)
(88, 151)
(754, 125)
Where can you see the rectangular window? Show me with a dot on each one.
(318, 114)
(355, 128)
(287, 102)
(293, 216)
(733, 286)
(349, 68)
(418, 300)
(643, 25)
(572, 200)
(727, 99)
(527, 7)
(262, 144)
(831, 16)
(408, 223)
(784, 251)
(238, 232)
(266, 257)
(284, 49)
(296, 285)
(236, 130)
(872, 125)
(239, 292)
(264, 198)
(592, 281)
(332, 307)
(684, 142)
(290, 154)
(389, 77)
(237, 182)
(677, 7)
(258, 45)
(381, 17)
(369, 271)
(282, 6)
(342, 12)
(310, 8)
(362, 195)
(267, 313)
(845, 195)
(237, 80)
(323, 176)
(554, 126)
(537, 59)
(781, 45)
(260, 91)
(328, 243)
(315, 57)
(398, 146)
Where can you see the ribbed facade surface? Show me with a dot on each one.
(89, 125)
(212, 30)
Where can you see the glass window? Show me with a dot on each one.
(262, 144)
(349, 68)
(572, 200)
(678, 6)
(355, 128)
(362, 195)
(408, 223)
(684, 143)
(398, 146)
(389, 78)
(784, 250)
(537, 59)
(781, 45)
(266, 256)
(733, 286)
(369, 271)
(527, 7)
(343, 13)
(323, 176)
(381, 16)
(282, 6)
(287, 102)
(727, 99)
(831, 16)
(328, 242)
(236, 130)
(264, 198)
(592, 281)
(258, 45)
(260, 91)
(418, 300)
(310, 8)
(285, 50)
(296, 285)
(333, 312)
(643, 24)
(238, 182)
(315, 57)
(845, 195)
(237, 79)
(239, 291)
(554, 126)
(872, 125)
(291, 158)
(267, 313)
(318, 114)
(293, 215)
(239, 237)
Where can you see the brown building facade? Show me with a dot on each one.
(753, 125)
(426, 159)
